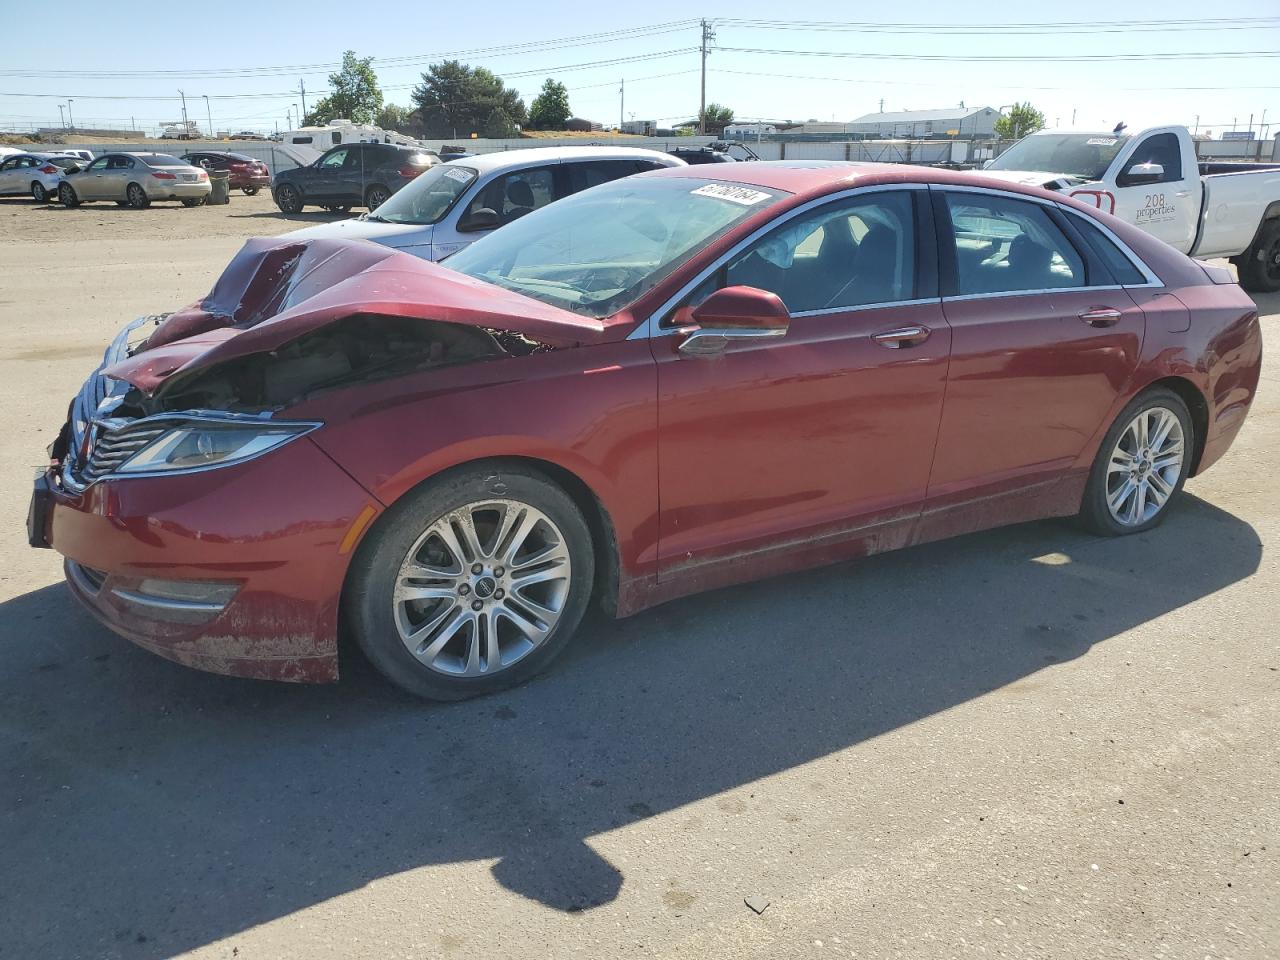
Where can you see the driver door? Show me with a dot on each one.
(327, 176)
(816, 446)
(1164, 204)
(92, 184)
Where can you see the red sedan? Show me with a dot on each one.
(661, 385)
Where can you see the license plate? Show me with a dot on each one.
(189, 177)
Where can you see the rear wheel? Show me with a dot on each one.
(250, 191)
(67, 196)
(1260, 265)
(471, 584)
(288, 199)
(38, 193)
(1141, 465)
(136, 197)
(376, 196)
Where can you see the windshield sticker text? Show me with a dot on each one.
(458, 173)
(1101, 141)
(733, 194)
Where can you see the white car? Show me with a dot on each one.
(35, 174)
(1153, 180)
(454, 203)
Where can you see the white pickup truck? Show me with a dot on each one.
(1153, 180)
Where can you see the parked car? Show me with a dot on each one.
(36, 174)
(247, 174)
(460, 201)
(665, 384)
(85, 155)
(1153, 180)
(351, 175)
(135, 180)
(696, 155)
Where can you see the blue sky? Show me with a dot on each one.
(818, 79)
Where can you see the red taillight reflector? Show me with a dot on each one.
(161, 175)
(49, 169)
(410, 171)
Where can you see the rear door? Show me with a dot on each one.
(1043, 341)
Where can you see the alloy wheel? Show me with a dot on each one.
(377, 197)
(482, 588)
(1145, 466)
(136, 196)
(38, 193)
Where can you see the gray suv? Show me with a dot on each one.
(352, 175)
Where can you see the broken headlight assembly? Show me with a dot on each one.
(201, 444)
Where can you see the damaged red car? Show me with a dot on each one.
(661, 385)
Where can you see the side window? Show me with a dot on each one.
(25, 162)
(516, 194)
(1121, 267)
(1004, 245)
(846, 254)
(9, 165)
(119, 163)
(98, 165)
(334, 159)
(595, 172)
(1163, 149)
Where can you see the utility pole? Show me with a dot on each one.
(707, 35)
(1197, 127)
(882, 104)
(71, 121)
(302, 89)
(62, 117)
(186, 124)
(622, 99)
(208, 114)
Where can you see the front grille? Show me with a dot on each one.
(111, 448)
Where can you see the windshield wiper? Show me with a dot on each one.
(375, 218)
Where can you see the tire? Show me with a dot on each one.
(250, 191)
(67, 196)
(1126, 463)
(1260, 265)
(38, 193)
(376, 196)
(193, 201)
(449, 664)
(136, 197)
(288, 198)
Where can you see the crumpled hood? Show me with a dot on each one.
(275, 291)
(358, 228)
(1036, 178)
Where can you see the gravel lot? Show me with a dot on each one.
(1024, 743)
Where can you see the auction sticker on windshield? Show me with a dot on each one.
(459, 173)
(733, 194)
(1101, 141)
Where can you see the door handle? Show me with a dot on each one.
(1101, 316)
(901, 337)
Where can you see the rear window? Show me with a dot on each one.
(1121, 267)
(164, 160)
(65, 162)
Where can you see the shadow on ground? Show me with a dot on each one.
(146, 809)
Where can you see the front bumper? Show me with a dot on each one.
(274, 537)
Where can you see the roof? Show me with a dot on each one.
(487, 162)
(920, 116)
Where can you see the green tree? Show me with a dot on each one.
(353, 93)
(392, 116)
(1021, 120)
(550, 109)
(717, 117)
(455, 100)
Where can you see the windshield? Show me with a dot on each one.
(164, 160)
(597, 251)
(429, 197)
(1086, 155)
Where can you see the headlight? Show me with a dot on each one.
(192, 445)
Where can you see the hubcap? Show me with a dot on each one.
(482, 588)
(1145, 466)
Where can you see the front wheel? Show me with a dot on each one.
(1141, 466)
(136, 197)
(1260, 265)
(288, 199)
(471, 584)
(376, 196)
(67, 196)
(38, 193)
(250, 191)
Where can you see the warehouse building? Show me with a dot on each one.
(955, 122)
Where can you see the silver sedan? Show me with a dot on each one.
(135, 180)
(37, 174)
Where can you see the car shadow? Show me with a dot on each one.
(149, 809)
(306, 216)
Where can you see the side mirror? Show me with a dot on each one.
(486, 218)
(1141, 173)
(735, 314)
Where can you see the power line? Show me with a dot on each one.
(1023, 29)
(993, 58)
(1020, 86)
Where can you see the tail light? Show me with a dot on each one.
(49, 168)
(202, 175)
(409, 170)
(161, 175)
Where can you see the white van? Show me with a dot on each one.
(454, 203)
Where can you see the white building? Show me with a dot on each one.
(906, 124)
(745, 131)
